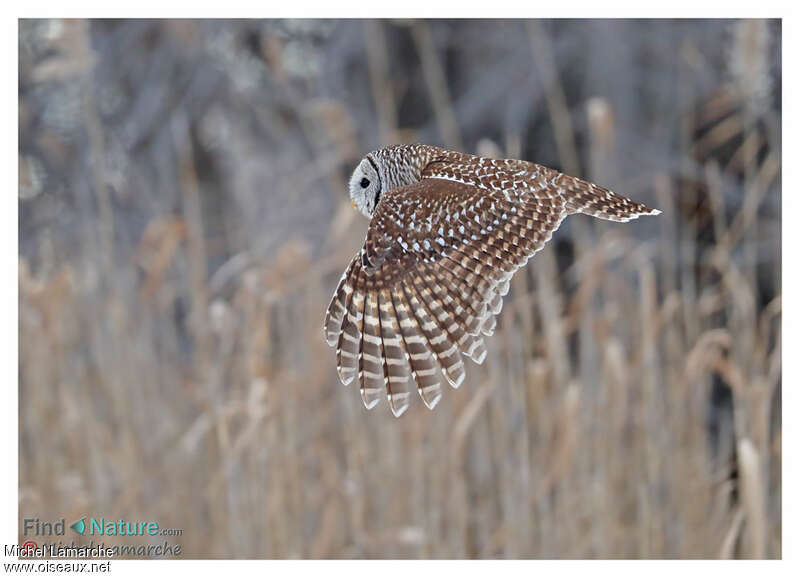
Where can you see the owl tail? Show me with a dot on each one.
(590, 199)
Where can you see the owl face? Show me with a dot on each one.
(365, 187)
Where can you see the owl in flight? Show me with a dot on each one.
(447, 232)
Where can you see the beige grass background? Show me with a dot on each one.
(183, 221)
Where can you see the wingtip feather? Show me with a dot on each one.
(433, 402)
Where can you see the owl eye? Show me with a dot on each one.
(364, 183)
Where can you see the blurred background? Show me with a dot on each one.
(184, 219)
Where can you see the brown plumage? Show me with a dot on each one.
(447, 232)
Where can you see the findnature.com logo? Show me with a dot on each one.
(98, 527)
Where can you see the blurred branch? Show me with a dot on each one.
(381, 80)
(560, 118)
(195, 234)
(437, 84)
(97, 147)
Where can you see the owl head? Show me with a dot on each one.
(385, 169)
(365, 186)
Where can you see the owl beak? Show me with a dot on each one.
(352, 202)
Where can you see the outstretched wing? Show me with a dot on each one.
(428, 282)
(436, 263)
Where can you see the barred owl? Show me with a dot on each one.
(447, 232)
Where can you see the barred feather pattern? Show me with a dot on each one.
(447, 234)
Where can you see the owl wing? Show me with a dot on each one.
(436, 263)
(429, 281)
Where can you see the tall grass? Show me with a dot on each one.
(174, 369)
